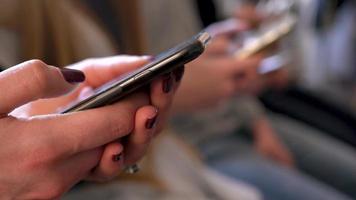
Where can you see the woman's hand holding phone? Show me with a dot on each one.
(154, 115)
(45, 154)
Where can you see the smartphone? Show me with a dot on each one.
(268, 36)
(132, 81)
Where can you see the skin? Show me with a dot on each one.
(43, 155)
(269, 145)
(216, 76)
(210, 81)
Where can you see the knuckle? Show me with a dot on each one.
(39, 71)
(36, 62)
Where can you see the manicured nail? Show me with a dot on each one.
(150, 123)
(117, 157)
(167, 83)
(178, 73)
(73, 76)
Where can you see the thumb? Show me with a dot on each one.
(101, 70)
(33, 80)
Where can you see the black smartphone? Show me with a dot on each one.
(132, 81)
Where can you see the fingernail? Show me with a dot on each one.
(73, 76)
(150, 123)
(117, 157)
(178, 73)
(167, 83)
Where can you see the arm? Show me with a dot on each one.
(266, 141)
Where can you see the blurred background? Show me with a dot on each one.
(268, 112)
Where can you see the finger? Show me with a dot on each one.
(53, 105)
(101, 70)
(251, 62)
(162, 92)
(80, 131)
(32, 80)
(138, 141)
(178, 76)
(110, 165)
(98, 71)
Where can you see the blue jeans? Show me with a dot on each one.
(235, 157)
(318, 154)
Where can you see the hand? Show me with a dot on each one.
(100, 71)
(43, 156)
(222, 34)
(268, 144)
(210, 80)
(161, 96)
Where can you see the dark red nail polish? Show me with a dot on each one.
(150, 123)
(178, 73)
(73, 76)
(167, 84)
(117, 157)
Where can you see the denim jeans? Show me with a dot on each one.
(234, 156)
(318, 154)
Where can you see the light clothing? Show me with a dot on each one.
(180, 172)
